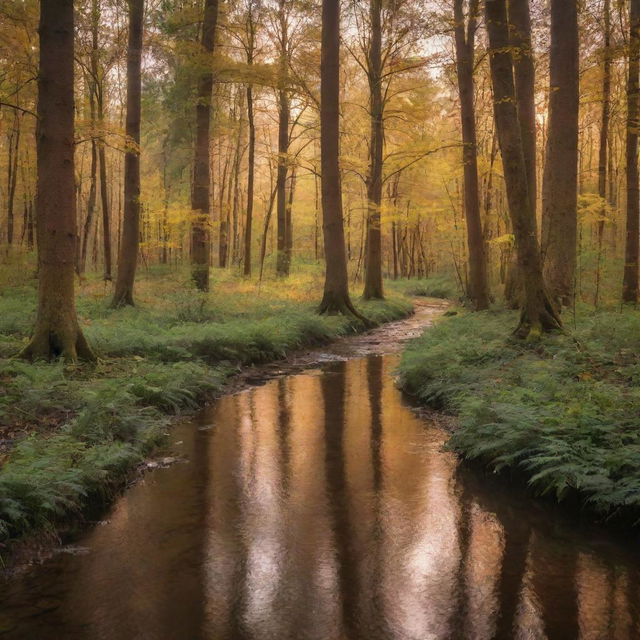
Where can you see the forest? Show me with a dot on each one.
(249, 222)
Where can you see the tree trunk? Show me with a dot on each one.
(282, 268)
(288, 245)
(373, 262)
(336, 284)
(630, 278)
(57, 332)
(537, 314)
(525, 76)
(106, 216)
(12, 176)
(465, 48)
(91, 207)
(128, 257)
(200, 197)
(604, 137)
(250, 182)
(560, 179)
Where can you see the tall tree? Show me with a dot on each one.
(200, 197)
(524, 76)
(373, 262)
(525, 79)
(284, 116)
(632, 248)
(92, 80)
(57, 332)
(465, 54)
(537, 314)
(603, 145)
(336, 284)
(560, 178)
(250, 47)
(128, 258)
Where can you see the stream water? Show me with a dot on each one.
(318, 506)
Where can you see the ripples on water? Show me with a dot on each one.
(319, 507)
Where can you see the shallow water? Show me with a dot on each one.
(318, 506)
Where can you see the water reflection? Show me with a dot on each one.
(319, 507)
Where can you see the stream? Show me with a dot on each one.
(319, 506)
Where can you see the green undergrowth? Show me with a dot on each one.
(563, 412)
(72, 434)
(436, 286)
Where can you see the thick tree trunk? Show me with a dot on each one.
(632, 248)
(560, 179)
(373, 261)
(465, 46)
(336, 284)
(538, 314)
(524, 76)
(200, 197)
(57, 332)
(128, 257)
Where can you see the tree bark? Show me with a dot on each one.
(336, 284)
(57, 332)
(128, 258)
(12, 176)
(250, 182)
(560, 178)
(92, 90)
(284, 114)
(537, 313)
(200, 196)
(630, 277)
(525, 77)
(603, 147)
(465, 48)
(373, 288)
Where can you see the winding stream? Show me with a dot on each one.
(318, 506)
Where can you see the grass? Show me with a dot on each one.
(437, 286)
(563, 412)
(70, 434)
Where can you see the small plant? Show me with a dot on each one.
(563, 412)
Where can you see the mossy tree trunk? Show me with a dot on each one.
(537, 312)
(128, 257)
(200, 196)
(57, 332)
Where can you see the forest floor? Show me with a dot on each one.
(70, 436)
(562, 413)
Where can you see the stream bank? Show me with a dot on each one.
(317, 504)
(74, 436)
